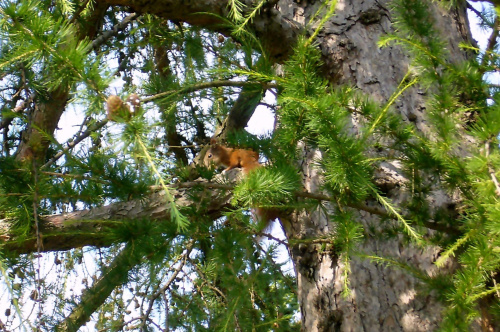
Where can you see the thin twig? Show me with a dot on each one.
(207, 85)
(475, 11)
(114, 31)
(207, 282)
(269, 236)
(73, 142)
(75, 176)
(376, 210)
(157, 294)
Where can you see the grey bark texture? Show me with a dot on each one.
(383, 299)
(88, 227)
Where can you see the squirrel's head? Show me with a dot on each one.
(212, 157)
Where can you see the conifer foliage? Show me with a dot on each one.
(120, 227)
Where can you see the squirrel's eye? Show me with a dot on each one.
(209, 155)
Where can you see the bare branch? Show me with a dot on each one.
(114, 31)
(493, 2)
(205, 85)
(73, 142)
(167, 285)
(475, 11)
(243, 109)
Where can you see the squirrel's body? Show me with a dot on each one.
(219, 155)
(230, 158)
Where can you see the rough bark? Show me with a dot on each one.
(49, 108)
(383, 299)
(88, 227)
(43, 122)
(276, 32)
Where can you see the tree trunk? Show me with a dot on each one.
(383, 299)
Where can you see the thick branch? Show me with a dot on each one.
(48, 111)
(242, 110)
(88, 227)
(112, 276)
(277, 33)
(43, 122)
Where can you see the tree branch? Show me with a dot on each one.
(112, 276)
(73, 142)
(43, 122)
(243, 109)
(475, 11)
(162, 65)
(493, 2)
(98, 125)
(277, 33)
(167, 285)
(492, 42)
(206, 85)
(46, 115)
(89, 227)
(106, 35)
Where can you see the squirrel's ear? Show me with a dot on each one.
(213, 141)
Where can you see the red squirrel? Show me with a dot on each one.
(220, 155)
(248, 160)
